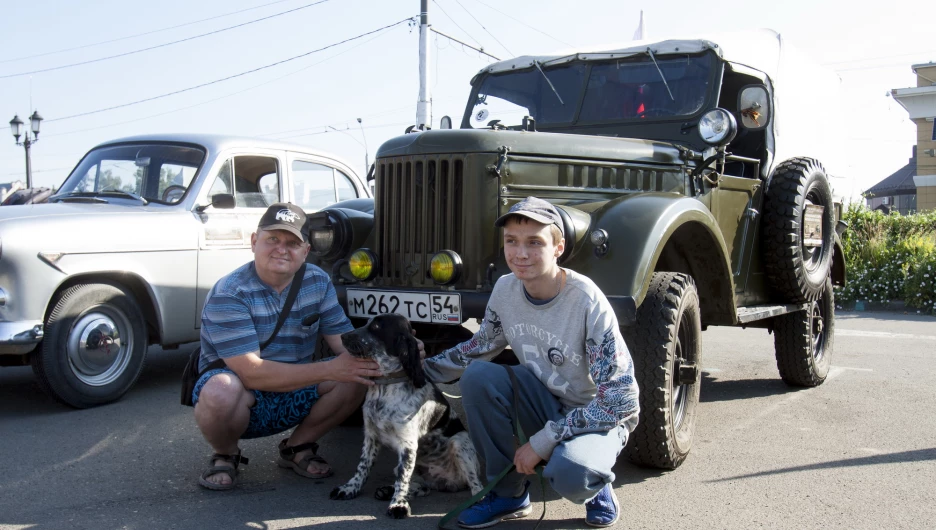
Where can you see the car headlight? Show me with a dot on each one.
(717, 127)
(329, 234)
(363, 264)
(322, 239)
(445, 267)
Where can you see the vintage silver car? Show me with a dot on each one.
(125, 252)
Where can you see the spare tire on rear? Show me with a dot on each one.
(798, 240)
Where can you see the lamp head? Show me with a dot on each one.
(34, 122)
(16, 127)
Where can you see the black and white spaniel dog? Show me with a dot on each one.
(411, 417)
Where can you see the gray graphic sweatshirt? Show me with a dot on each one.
(572, 343)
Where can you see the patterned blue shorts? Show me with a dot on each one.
(274, 412)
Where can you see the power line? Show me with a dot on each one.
(211, 100)
(525, 24)
(139, 34)
(881, 57)
(326, 131)
(453, 39)
(888, 65)
(99, 59)
(23, 173)
(345, 122)
(316, 127)
(232, 76)
(456, 23)
(484, 28)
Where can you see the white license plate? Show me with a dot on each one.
(437, 308)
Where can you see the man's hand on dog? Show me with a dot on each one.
(350, 369)
(526, 459)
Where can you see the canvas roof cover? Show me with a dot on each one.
(758, 49)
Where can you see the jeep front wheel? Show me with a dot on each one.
(803, 341)
(94, 345)
(666, 347)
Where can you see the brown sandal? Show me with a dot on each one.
(231, 471)
(300, 467)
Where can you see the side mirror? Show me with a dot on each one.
(224, 201)
(754, 107)
(445, 122)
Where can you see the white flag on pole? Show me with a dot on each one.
(641, 32)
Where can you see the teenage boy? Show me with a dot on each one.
(577, 393)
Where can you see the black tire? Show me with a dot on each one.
(804, 340)
(667, 335)
(94, 346)
(797, 272)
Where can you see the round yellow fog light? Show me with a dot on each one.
(363, 264)
(445, 267)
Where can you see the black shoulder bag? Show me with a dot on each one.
(191, 374)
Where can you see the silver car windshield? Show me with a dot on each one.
(144, 172)
(594, 92)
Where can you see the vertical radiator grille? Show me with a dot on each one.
(419, 212)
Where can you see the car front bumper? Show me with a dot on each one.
(20, 337)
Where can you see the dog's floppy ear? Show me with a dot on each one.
(408, 352)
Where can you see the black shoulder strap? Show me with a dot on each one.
(287, 307)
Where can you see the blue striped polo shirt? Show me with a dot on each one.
(241, 312)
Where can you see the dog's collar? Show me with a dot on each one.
(396, 377)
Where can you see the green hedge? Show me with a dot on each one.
(890, 257)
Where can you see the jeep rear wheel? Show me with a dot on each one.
(94, 345)
(796, 266)
(665, 344)
(803, 341)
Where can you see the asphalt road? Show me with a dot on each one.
(857, 452)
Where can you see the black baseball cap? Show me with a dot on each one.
(541, 211)
(285, 216)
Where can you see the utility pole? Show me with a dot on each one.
(423, 106)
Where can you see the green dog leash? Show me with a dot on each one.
(520, 439)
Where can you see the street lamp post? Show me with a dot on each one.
(366, 158)
(16, 127)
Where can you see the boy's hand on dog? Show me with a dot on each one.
(526, 459)
(350, 369)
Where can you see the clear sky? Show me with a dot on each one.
(375, 77)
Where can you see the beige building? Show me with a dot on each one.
(920, 102)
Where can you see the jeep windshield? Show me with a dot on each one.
(630, 89)
(159, 173)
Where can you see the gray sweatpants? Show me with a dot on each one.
(578, 468)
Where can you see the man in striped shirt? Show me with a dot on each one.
(259, 394)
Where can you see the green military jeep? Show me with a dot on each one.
(682, 198)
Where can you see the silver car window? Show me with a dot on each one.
(345, 187)
(253, 180)
(222, 183)
(313, 185)
(155, 172)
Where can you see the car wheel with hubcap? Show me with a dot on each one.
(94, 345)
(665, 344)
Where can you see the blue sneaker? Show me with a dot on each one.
(492, 509)
(604, 509)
